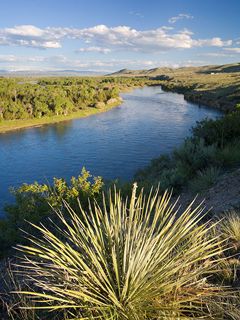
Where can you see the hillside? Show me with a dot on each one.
(227, 68)
(215, 86)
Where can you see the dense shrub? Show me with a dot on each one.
(33, 201)
(220, 131)
(183, 165)
(204, 179)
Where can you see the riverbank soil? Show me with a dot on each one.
(223, 196)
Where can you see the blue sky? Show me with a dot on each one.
(110, 35)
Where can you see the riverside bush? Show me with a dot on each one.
(219, 131)
(33, 201)
(213, 147)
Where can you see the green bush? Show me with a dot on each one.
(26, 99)
(204, 179)
(220, 131)
(229, 155)
(33, 201)
(195, 155)
(184, 165)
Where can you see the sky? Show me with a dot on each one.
(105, 36)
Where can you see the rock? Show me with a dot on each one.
(114, 101)
(100, 105)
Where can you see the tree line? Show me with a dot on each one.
(27, 99)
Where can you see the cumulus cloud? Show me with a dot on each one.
(214, 42)
(29, 36)
(104, 39)
(180, 16)
(149, 41)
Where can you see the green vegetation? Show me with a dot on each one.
(136, 259)
(26, 103)
(215, 86)
(230, 228)
(33, 203)
(213, 147)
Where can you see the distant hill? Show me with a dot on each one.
(228, 68)
(128, 72)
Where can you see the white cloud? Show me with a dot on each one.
(214, 42)
(180, 16)
(61, 62)
(104, 39)
(29, 36)
(151, 41)
(19, 59)
(94, 49)
(25, 31)
(216, 54)
(233, 50)
(7, 58)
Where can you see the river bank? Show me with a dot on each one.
(51, 100)
(122, 85)
(214, 86)
(200, 97)
(13, 125)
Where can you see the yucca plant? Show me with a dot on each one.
(230, 228)
(128, 260)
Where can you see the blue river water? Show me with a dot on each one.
(114, 144)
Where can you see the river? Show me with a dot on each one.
(114, 144)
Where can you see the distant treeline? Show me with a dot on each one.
(28, 99)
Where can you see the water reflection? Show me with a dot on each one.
(59, 130)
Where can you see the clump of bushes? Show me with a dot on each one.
(219, 131)
(33, 203)
(204, 179)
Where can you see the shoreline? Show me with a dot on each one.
(15, 125)
(21, 124)
(199, 98)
